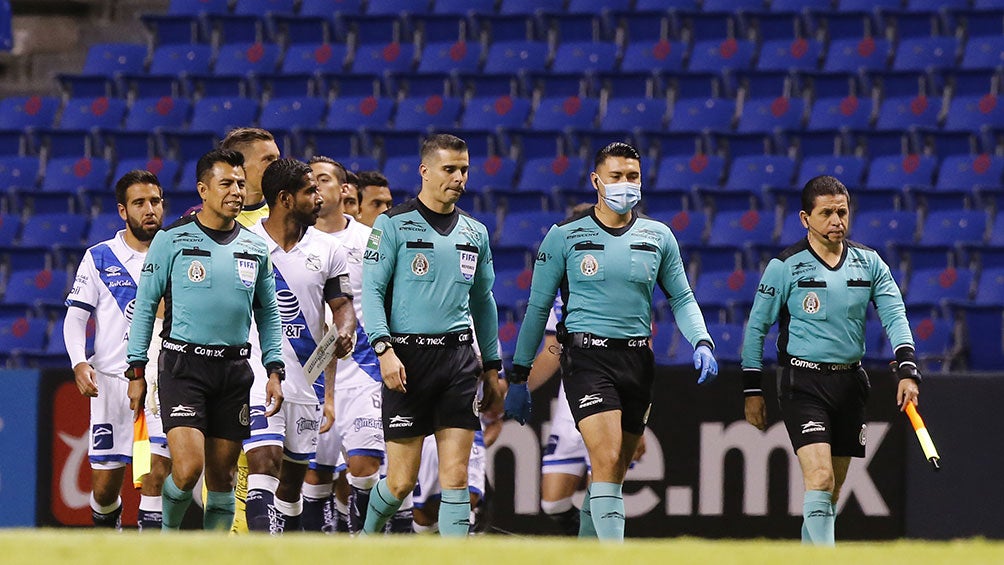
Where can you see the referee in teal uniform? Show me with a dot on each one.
(427, 273)
(606, 261)
(213, 275)
(818, 291)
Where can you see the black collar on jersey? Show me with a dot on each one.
(220, 237)
(253, 207)
(442, 223)
(616, 232)
(840, 263)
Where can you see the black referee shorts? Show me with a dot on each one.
(601, 380)
(211, 395)
(825, 408)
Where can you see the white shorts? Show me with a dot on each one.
(294, 428)
(358, 428)
(111, 424)
(154, 425)
(565, 451)
(428, 487)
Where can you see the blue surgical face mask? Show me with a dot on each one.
(621, 197)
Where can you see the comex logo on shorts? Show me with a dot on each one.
(400, 422)
(589, 400)
(182, 411)
(810, 426)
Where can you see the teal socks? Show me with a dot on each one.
(382, 506)
(607, 507)
(175, 502)
(586, 529)
(219, 514)
(818, 518)
(455, 513)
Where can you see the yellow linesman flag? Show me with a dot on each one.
(140, 450)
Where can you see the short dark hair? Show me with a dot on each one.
(239, 137)
(371, 178)
(206, 162)
(823, 185)
(439, 141)
(339, 168)
(136, 176)
(351, 178)
(283, 174)
(616, 149)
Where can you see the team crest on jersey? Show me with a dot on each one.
(196, 272)
(589, 266)
(420, 264)
(313, 263)
(468, 264)
(247, 271)
(374, 240)
(810, 303)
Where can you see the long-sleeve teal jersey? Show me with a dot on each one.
(607, 277)
(820, 309)
(429, 273)
(211, 283)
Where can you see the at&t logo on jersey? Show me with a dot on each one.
(289, 311)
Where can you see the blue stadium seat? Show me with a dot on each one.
(512, 288)
(237, 28)
(970, 171)
(878, 229)
(633, 113)
(355, 112)
(856, 54)
(258, 7)
(87, 113)
(933, 341)
(919, 54)
(509, 56)
(974, 112)
(527, 228)
(115, 58)
(179, 59)
(840, 112)
(449, 56)
(487, 112)
(727, 290)
(463, 7)
(759, 171)
(728, 340)
(750, 227)
(847, 168)
(900, 171)
(314, 57)
(508, 332)
(715, 55)
(492, 172)
(87, 86)
(220, 115)
(421, 112)
(984, 52)
(983, 334)
(702, 114)
(18, 172)
(21, 334)
(142, 85)
(197, 7)
(935, 287)
(546, 173)
(244, 58)
(149, 114)
(327, 8)
(104, 226)
(584, 56)
(165, 169)
(395, 7)
(401, 174)
(20, 112)
(174, 29)
(790, 54)
(10, 225)
(948, 227)
(75, 174)
(375, 58)
(658, 54)
(771, 114)
(686, 172)
(206, 85)
(47, 230)
(559, 112)
(997, 234)
(687, 226)
(789, 6)
(527, 7)
(663, 338)
(904, 112)
(293, 113)
(990, 291)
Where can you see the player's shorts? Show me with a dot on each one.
(154, 425)
(111, 423)
(441, 388)
(601, 379)
(209, 394)
(358, 420)
(828, 407)
(293, 428)
(565, 451)
(329, 447)
(427, 488)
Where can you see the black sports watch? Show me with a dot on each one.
(276, 369)
(381, 346)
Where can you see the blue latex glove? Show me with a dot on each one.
(704, 360)
(517, 403)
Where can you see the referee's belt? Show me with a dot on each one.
(452, 339)
(823, 367)
(242, 351)
(581, 340)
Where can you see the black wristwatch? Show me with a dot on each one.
(381, 346)
(277, 369)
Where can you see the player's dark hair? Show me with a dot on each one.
(616, 149)
(339, 168)
(823, 185)
(283, 174)
(439, 141)
(371, 178)
(351, 178)
(206, 162)
(137, 176)
(238, 138)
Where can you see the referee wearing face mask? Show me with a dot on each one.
(606, 262)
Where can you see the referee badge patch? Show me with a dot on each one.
(810, 303)
(196, 272)
(420, 264)
(468, 264)
(589, 265)
(374, 240)
(247, 271)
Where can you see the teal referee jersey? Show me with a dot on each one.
(211, 282)
(429, 273)
(820, 309)
(607, 277)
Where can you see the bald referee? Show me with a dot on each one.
(818, 291)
